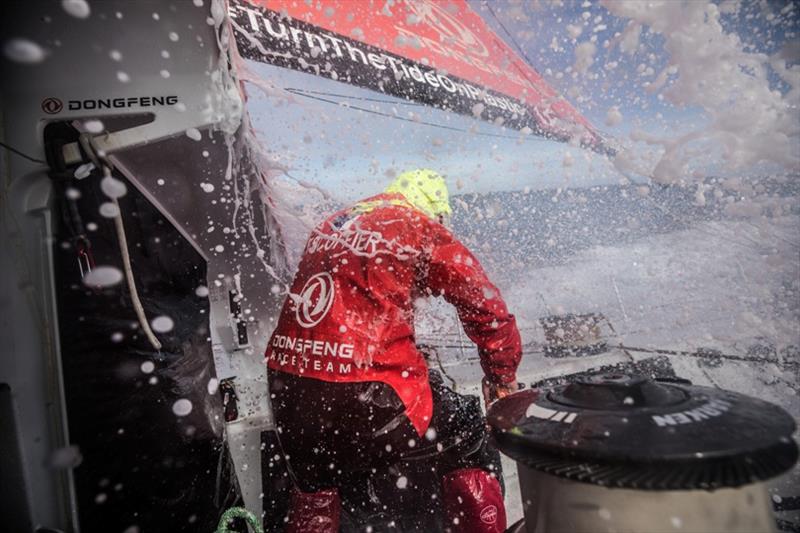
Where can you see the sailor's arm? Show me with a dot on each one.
(454, 273)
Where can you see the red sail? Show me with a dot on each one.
(439, 53)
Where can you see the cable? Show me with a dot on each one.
(126, 263)
(441, 368)
(460, 337)
(710, 355)
(14, 150)
(605, 149)
(433, 124)
(514, 41)
(87, 142)
(322, 93)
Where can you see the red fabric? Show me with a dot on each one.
(448, 36)
(473, 502)
(314, 512)
(350, 318)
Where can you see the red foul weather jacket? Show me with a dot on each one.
(349, 315)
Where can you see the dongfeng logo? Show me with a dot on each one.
(51, 105)
(316, 299)
(489, 514)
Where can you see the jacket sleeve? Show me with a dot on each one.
(453, 272)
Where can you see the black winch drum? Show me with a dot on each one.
(614, 452)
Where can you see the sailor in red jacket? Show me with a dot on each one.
(349, 387)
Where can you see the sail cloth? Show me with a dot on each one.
(439, 53)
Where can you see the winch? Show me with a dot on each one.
(625, 453)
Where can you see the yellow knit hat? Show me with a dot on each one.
(425, 189)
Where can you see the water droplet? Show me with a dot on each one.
(123, 77)
(116, 55)
(162, 324)
(213, 386)
(201, 291)
(103, 276)
(83, 171)
(66, 457)
(112, 187)
(77, 8)
(23, 51)
(173, 36)
(402, 482)
(193, 133)
(94, 126)
(207, 187)
(147, 367)
(109, 210)
(182, 407)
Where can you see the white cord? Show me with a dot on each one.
(89, 146)
(126, 263)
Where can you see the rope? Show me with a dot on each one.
(87, 143)
(519, 48)
(460, 337)
(443, 371)
(234, 513)
(126, 264)
(432, 124)
(21, 154)
(708, 355)
(614, 331)
(350, 97)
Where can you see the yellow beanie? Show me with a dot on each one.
(425, 189)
